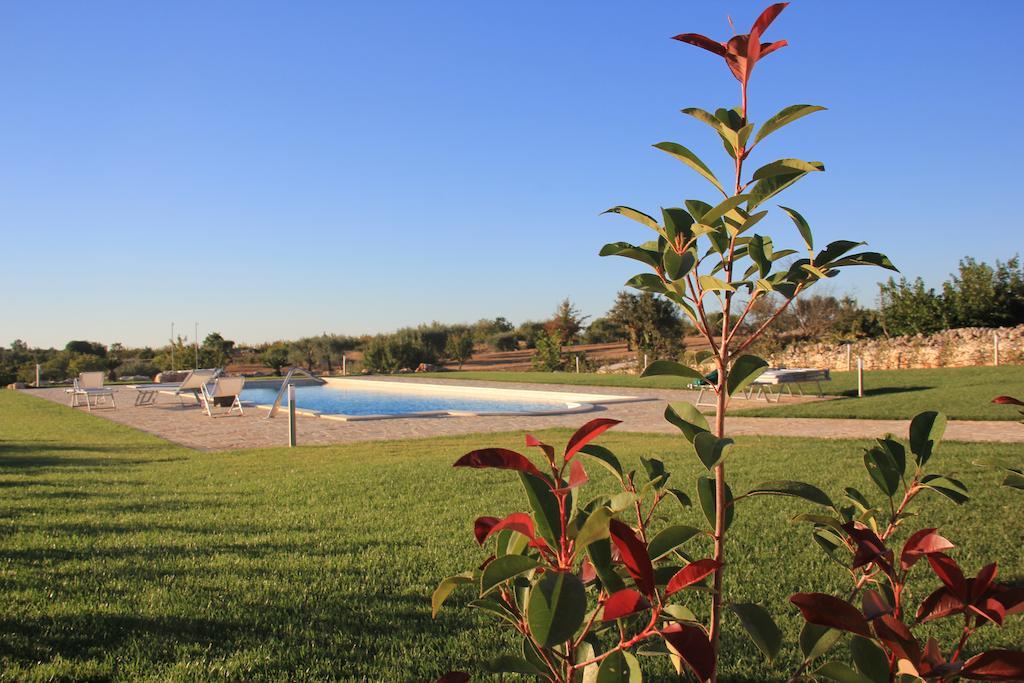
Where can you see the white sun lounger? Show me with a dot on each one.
(224, 387)
(776, 381)
(89, 385)
(146, 394)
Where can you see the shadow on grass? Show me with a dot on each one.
(882, 391)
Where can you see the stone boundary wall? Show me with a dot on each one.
(948, 349)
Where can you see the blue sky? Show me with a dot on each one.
(273, 170)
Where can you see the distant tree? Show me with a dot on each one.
(503, 341)
(651, 323)
(377, 355)
(459, 347)
(567, 322)
(485, 328)
(275, 356)
(215, 351)
(303, 352)
(529, 331)
(86, 347)
(605, 331)
(909, 308)
(549, 357)
(980, 295)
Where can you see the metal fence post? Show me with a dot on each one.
(849, 356)
(995, 348)
(38, 373)
(860, 377)
(577, 365)
(291, 415)
(344, 364)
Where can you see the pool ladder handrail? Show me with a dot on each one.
(284, 388)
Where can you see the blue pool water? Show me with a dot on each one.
(337, 400)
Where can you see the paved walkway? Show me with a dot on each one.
(191, 427)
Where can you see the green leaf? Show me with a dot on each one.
(1014, 480)
(445, 588)
(681, 498)
(926, 430)
(678, 223)
(545, 507)
(723, 208)
(692, 160)
(760, 626)
(605, 457)
(687, 419)
(710, 283)
(760, 250)
(784, 117)
(627, 250)
(841, 673)
(709, 119)
(769, 187)
(594, 528)
(655, 471)
(897, 451)
(670, 367)
(870, 660)
(710, 449)
(504, 568)
(508, 664)
(638, 216)
(495, 608)
(679, 612)
(796, 489)
(820, 520)
(866, 258)
(883, 470)
(706, 495)
(784, 166)
(949, 487)
(817, 640)
(802, 226)
(647, 282)
(669, 539)
(556, 607)
(620, 667)
(830, 542)
(745, 370)
(600, 554)
(677, 266)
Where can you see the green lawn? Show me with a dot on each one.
(961, 393)
(125, 557)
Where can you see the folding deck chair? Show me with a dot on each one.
(224, 390)
(89, 385)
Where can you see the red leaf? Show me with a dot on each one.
(587, 571)
(517, 521)
(995, 665)
(1008, 400)
(940, 603)
(623, 603)
(691, 574)
(897, 636)
(499, 458)
(875, 605)
(870, 548)
(549, 452)
(1012, 598)
(768, 48)
(989, 608)
(454, 677)
(826, 610)
(765, 20)
(921, 543)
(949, 573)
(482, 527)
(983, 581)
(577, 474)
(634, 555)
(702, 42)
(586, 434)
(691, 644)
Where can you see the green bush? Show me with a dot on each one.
(137, 367)
(549, 357)
(503, 341)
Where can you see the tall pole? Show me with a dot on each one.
(860, 377)
(196, 340)
(995, 348)
(291, 415)
(849, 353)
(173, 367)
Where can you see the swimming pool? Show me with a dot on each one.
(361, 399)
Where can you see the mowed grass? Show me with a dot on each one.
(960, 393)
(125, 557)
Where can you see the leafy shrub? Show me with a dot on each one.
(503, 341)
(459, 347)
(137, 367)
(548, 356)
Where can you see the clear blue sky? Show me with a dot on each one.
(273, 170)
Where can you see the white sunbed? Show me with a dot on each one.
(89, 385)
(224, 388)
(775, 381)
(146, 394)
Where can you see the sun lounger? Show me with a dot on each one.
(146, 394)
(225, 391)
(776, 381)
(89, 385)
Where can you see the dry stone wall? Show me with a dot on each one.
(951, 348)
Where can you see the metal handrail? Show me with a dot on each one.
(284, 388)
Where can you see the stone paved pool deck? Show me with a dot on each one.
(193, 428)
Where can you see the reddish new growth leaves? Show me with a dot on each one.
(634, 555)
(980, 597)
(742, 52)
(825, 610)
(499, 458)
(586, 434)
(691, 574)
(623, 603)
